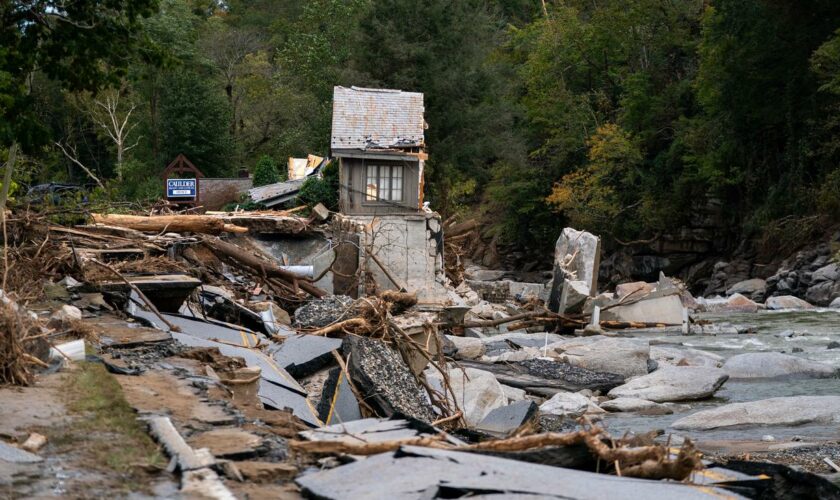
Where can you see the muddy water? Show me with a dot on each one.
(815, 329)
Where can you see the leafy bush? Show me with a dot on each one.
(266, 172)
(321, 190)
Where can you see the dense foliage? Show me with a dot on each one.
(266, 172)
(620, 116)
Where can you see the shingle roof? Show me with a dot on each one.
(370, 119)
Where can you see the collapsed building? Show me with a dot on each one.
(347, 353)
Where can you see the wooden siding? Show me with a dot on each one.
(353, 178)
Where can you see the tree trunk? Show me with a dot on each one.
(248, 260)
(176, 223)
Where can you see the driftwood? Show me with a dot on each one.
(247, 260)
(354, 323)
(362, 448)
(204, 224)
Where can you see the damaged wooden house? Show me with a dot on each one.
(378, 138)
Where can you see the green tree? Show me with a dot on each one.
(321, 189)
(194, 120)
(266, 172)
(447, 51)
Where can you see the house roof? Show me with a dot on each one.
(275, 194)
(376, 119)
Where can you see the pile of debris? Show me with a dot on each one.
(290, 381)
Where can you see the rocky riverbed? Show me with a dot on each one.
(806, 335)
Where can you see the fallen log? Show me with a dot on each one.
(203, 224)
(245, 259)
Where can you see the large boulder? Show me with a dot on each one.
(754, 288)
(636, 405)
(787, 411)
(476, 392)
(569, 404)
(626, 357)
(835, 304)
(685, 356)
(773, 365)
(823, 293)
(577, 255)
(786, 302)
(739, 303)
(673, 383)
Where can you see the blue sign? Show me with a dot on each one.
(180, 188)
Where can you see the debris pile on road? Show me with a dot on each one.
(249, 368)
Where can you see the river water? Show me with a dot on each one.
(815, 329)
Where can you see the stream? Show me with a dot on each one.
(815, 329)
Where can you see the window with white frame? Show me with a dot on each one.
(384, 182)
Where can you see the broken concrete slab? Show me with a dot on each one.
(303, 355)
(504, 420)
(384, 379)
(439, 473)
(338, 403)
(573, 296)
(373, 430)
(228, 442)
(547, 377)
(663, 307)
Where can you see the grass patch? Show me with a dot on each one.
(109, 426)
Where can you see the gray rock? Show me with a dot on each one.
(467, 347)
(752, 288)
(685, 356)
(786, 302)
(625, 357)
(673, 383)
(835, 304)
(833, 345)
(636, 405)
(322, 312)
(773, 365)
(476, 392)
(823, 293)
(569, 404)
(794, 410)
(513, 394)
(831, 272)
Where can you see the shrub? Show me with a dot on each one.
(266, 172)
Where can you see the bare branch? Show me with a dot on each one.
(77, 162)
